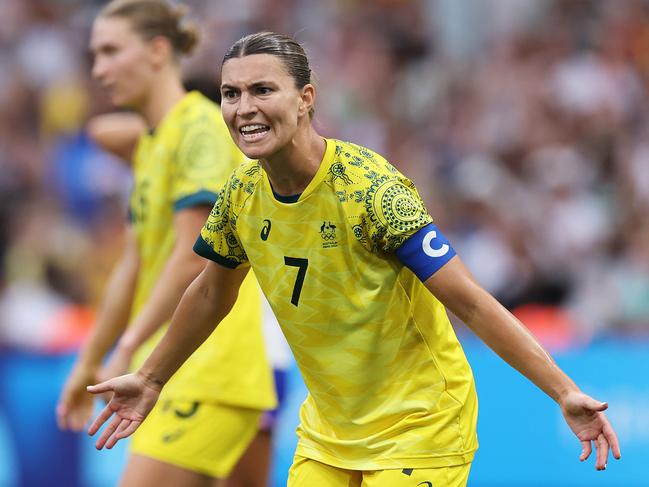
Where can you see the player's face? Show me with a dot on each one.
(261, 105)
(122, 61)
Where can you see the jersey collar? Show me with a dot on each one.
(321, 173)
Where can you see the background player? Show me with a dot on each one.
(358, 277)
(118, 133)
(208, 416)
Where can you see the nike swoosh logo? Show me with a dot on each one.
(265, 230)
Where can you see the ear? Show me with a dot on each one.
(307, 100)
(161, 50)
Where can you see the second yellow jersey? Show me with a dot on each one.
(389, 385)
(184, 163)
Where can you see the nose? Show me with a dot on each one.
(246, 107)
(98, 68)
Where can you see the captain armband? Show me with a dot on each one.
(425, 252)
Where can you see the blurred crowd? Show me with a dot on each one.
(524, 124)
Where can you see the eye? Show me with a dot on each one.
(263, 90)
(229, 94)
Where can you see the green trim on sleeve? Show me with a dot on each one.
(202, 197)
(202, 248)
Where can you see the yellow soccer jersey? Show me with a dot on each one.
(184, 163)
(389, 385)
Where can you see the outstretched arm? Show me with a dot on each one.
(75, 404)
(180, 270)
(205, 303)
(456, 288)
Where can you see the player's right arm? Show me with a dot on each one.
(207, 300)
(75, 404)
(117, 133)
(420, 246)
(458, 290)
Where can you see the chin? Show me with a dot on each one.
(123, 101)
(119, 101)
(252, 151)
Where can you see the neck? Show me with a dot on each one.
(164, 94)
(291, 170)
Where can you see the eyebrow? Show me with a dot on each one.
(256, 84)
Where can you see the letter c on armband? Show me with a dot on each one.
(428, 250)
(425, 252)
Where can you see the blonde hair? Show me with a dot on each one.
(153, 18)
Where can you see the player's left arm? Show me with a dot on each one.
(180, 270)
(429, 254)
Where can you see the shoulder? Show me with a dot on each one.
(362, 175)
(198, 113)
(199, 130)
(243, 182)
(357, 167)
(375, 193)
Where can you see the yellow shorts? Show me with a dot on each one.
(306, 472)
(202, 437)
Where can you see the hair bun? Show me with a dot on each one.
(187, 39)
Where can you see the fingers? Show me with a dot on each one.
(101, 387)
(611, 437)
(122, 425)
(599, 406)
(602, 447)
(77, 420)
(100, 420)
(108, 432)
(62, 416)
(72, 418)
(126, 428)
(586, 449)
(130, 429)
(595, 405)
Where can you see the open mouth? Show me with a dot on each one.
(253, 132)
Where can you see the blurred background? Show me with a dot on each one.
(523, 123)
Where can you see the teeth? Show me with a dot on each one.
(250, 128)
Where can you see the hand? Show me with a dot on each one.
(585, 417)
(133, 399)
(75, 405)
(118, 364)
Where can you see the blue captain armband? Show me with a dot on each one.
(425, 252)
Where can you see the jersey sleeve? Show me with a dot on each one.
(218, 240)
(395, 213)
(204, 160)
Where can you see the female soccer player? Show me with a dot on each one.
(358, 277)
(210, 413)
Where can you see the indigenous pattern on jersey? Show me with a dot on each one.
(184, 163)
(389, 385)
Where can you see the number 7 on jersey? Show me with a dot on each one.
(302, 265)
